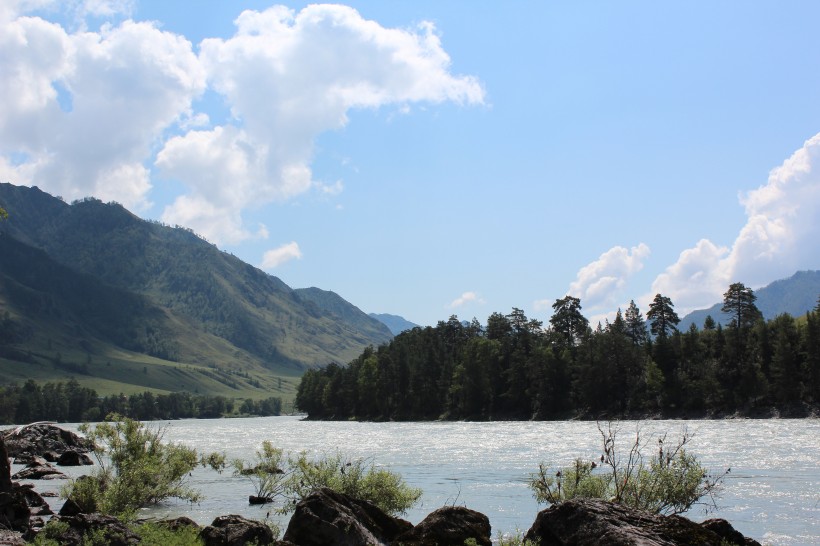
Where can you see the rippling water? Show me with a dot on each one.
(772, 494)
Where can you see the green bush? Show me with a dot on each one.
(669, 482)
(358, 478)
(136, 469)
(289, 480)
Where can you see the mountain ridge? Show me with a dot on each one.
(247, 315)
(795, 295)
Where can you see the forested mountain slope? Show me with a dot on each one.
(110, 272)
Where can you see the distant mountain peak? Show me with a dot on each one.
(396, 323)
(795, 295)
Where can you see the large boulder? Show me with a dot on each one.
(327, 517)
(107, 528)
(449, 526)
(14, 510)
(236, 531)
(40, 438)
(586, 522)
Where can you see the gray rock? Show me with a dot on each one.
(74, 458)
(235, 530)
(327, 517)
(449, 526)
(112, 530)
(586, 522)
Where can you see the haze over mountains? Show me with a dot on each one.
(796, 296)
(93, 279)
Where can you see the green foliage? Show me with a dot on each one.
(155, 534)
(358, 478)
(287, 480)
(670, 482)
(513, 368)
(136, 469)
(51, 533)
(265, 472)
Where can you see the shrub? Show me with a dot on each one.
(358, 478)
(289, 480)
(136, 468)
(670, 482)
(266, 475)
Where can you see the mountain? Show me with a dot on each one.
(396, 323)
(796, 295)
(120, 282)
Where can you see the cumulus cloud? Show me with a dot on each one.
(278, 256)
(289, 77)
(600, 282)
(779, 237)
(101, 113)
(82, 111)
(465, 298)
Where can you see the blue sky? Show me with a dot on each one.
(430, 158)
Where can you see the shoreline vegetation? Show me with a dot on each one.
(335, 500)
(514, 368)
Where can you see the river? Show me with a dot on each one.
(772, 493)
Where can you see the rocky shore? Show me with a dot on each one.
(326, 517)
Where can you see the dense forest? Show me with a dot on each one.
(70, 402)
(516, 368)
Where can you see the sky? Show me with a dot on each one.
(428, 159)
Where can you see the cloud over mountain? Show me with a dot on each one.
(95, 113)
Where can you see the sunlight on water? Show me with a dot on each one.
(772, 494)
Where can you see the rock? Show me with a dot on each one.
(328, 517)
(110, 529)
(74, 458)
(449, 526)
(35, 471)
(176, 524)
(11, 538)
(253, 499)
(40, 438)
(586, 522)
(725, 531)
(236, 531)
(35, 502)
(70, 508)
(14, 510)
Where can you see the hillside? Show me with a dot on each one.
(796, 296)
(117, 281)
(396, 323)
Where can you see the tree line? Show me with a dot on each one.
(516, 368)
(72, 403)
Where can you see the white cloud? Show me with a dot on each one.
(289, 77)
(600, 282)
(465, 298)
(779, 238)
(278, 256)
(85, 109)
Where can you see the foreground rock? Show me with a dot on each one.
(327, 517)
(449, 526)
(14, 510)
(108, 528)
(236, 531)
(592, 522)
(44, 440)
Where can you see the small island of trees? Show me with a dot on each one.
(515, 368)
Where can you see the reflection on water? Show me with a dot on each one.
(772, 494)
